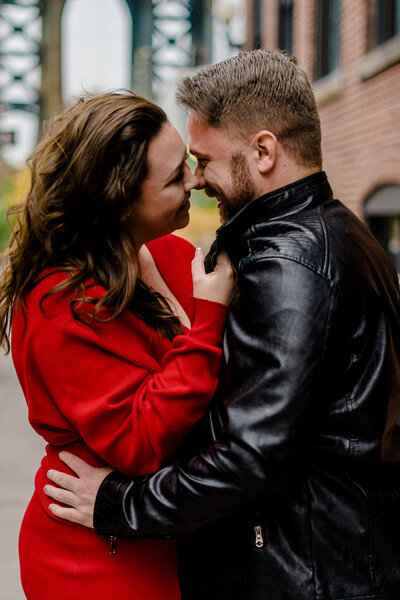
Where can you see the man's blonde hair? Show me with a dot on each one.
(258, 90)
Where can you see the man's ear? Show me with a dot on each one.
(264, 145)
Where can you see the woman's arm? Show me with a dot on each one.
(127, 407)
(128, 394)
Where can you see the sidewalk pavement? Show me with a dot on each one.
(21, 450)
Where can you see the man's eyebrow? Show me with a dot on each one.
(199, 154)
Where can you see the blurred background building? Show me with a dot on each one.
(351, 51)
(53, 51)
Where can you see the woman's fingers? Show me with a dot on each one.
(198, 269)
(223, 262)
(217, 286)
(60, 495)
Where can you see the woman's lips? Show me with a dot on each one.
(185, 206)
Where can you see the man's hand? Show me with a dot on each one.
(79, 493)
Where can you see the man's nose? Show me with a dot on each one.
(201, 182)
(191, 181)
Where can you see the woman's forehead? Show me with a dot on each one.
(166, 151)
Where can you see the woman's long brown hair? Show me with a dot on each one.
(86, 173)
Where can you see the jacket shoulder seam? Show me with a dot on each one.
(248, 260)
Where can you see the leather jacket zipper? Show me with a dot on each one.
(113, 545)
(259, 540)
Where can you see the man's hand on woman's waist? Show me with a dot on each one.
(77, 493)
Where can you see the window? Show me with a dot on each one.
(387, 20)
(285, 24)
(382, 211)
(382, 39)
(327, 37)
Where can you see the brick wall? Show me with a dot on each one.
(360, 119)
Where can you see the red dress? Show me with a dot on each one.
(121, 395)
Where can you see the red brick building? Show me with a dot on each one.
(351, 51)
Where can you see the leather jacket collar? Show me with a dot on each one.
(293, 197)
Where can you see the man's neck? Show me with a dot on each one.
(285, 176)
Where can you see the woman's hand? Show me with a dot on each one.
(217, 286)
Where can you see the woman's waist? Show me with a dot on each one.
(51, 460)
(51, 539)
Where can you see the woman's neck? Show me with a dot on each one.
(151, 276)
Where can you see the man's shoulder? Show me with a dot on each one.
(302, 237)
(329, 239)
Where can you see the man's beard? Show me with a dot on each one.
(241, 192)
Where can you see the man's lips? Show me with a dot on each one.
(211, 193)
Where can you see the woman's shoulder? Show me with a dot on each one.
(52, 277)
(40, 312)
(45, 281)
(51, 296)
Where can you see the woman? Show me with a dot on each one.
(117, 361)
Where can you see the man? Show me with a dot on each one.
(281, 492)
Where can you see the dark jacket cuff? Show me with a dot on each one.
(108, 515)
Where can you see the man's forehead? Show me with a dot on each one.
(199, 145)
(205, 140)
(197, 129)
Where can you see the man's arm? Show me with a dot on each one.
(276, 336)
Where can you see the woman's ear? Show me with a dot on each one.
(264, 145)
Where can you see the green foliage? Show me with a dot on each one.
(200, 199)
(13, 186)
(4, 228)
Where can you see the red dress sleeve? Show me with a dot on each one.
(128, 394)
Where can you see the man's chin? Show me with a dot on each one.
(224, 215)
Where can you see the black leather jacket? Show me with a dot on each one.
(285, 496)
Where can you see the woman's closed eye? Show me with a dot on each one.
(178, 178)
(181, 172)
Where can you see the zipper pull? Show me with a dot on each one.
(113, 544)
(259, 541)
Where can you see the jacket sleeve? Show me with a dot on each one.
(116, 389)
(276, 334)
